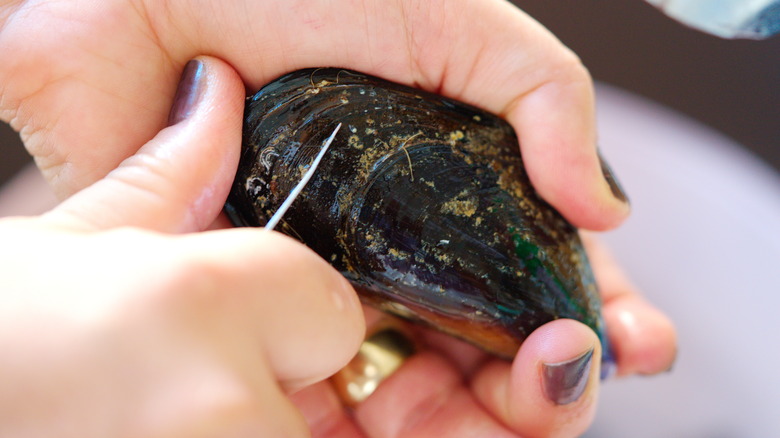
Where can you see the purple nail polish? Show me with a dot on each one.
(564, 382)
(608, 359)
(614, 185)
(188, 93)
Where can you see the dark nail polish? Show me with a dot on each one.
(670, 368)
(674, 361)
(564, 382)
(608, 358)
(188, 93)
(614, 185)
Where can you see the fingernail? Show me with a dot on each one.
(191, 87)
(670, 368)
(614, 185)
(564, 382)
(608, 366)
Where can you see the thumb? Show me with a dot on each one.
(551, 388)
(179, 180)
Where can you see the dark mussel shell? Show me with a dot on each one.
(421, 202)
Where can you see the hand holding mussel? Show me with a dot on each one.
(422, 203)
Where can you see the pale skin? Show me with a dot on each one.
(124, 318)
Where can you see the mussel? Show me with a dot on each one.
(422, 202)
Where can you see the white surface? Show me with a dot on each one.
(703, 243)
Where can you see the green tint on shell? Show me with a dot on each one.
(421, 202)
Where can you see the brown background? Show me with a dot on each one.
(733, 86)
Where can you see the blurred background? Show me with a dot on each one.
(690, 124)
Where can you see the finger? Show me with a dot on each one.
(324, 412)
(105, 93)
(426, 397)
(486, 53)
(466, 357)
(644, 338)
(179, 180)
(190, 391)
(265, 293)
(551, 388)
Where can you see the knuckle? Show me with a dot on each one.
(281, 257)
(571, 67)
(189, 284)
(214, 274)
(222, 405)
(156, 275)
